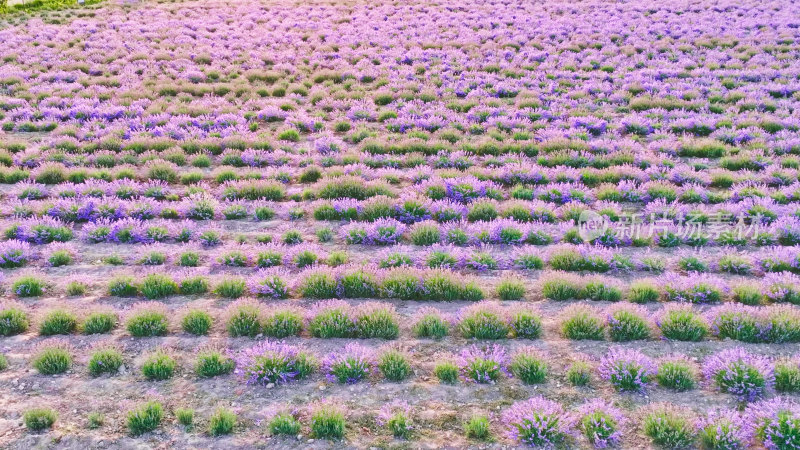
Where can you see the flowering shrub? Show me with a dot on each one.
(696, 288)
(775, 422)
(14, 253)
(538, 422)
(380, 232)
(627, 323)
(600, 423)
(273, 362)
(483, 364)
(627, 370)
(738, 322)
(270, 284)
(397, 417)
(740, 373)
(724, 429)
(350, 365)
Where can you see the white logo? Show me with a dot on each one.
(592, 225)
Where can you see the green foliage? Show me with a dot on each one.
(197, 322)
(579, 373)
(583, 325)
(284, 423)
(29, 286)
(145, 418)
(677, 375)
(39, 419)
(212, 363)
(511, 289)
(327, 422)
(244, 320)
(668, 429)
(477, 428)
(105, 360)
(99, 323)
(529, 368)
(394, 365)
(157, 286)
(147, 323)
(446, 372)
(221, 422)
(52, 360)
(231, 288)
(159, 366)
(430, 326)
(185, 416)
(58, 321)
(13, 321)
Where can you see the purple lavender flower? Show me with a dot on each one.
(601, 423)
(383, 231)
(736, 321)
(538, 422)
(483, 364)
(775, 422)
(397, 416)
(14, 253)
(273, 362)
(724, 429)
(738, 372)
(627, 369)
(349, 365)
(694, 288)
(270, 283)
(781, 287)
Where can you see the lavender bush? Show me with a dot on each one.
(738, 372)
(538, 422)
(274, 362)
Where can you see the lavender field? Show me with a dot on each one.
(400, 224)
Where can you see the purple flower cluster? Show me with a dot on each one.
(738, 372)
(538, 422)
(775, 422)
(483, 364)
(725, 429)
(272, 362)
(380, 232)
(14, 253)
(601, 423)
(349, 365)
(627, 369)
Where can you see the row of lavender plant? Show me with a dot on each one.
(387, 231)
(537, 422)
(453, 190)
(483, 321)
(746, 376)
